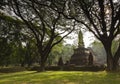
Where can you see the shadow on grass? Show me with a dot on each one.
(15, 74)
(82, 78)
(61, 77)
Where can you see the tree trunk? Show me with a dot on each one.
(115, 65)
(43, 61)
(109, 62)
(116, 59)
(44, 55)
(112, 61)
(42, 64)
(42, 67)
(107, 46)
(22, 64)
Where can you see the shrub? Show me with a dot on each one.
(71, 68)
(12, 69)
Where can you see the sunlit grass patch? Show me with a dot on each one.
(60, 77)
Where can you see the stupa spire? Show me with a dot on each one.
(80, 39)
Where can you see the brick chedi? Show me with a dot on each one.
(81, 54)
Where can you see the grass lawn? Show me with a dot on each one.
(59, 77)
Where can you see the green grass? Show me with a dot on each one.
(59, 77)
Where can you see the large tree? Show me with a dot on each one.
(48, 26)
(102, 18)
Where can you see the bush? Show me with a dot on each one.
(83, 68)
(53, 68)
(12, 69)
(71, 68)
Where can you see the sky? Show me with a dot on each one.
(88, 38)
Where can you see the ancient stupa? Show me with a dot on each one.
(82, 56)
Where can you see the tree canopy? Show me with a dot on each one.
(48, 22)
(101, 17)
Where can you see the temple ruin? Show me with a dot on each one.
(82, 56)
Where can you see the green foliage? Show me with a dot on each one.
(55, 54)
(5, 52)
(67, 52)
(12, 36)
(7, 18)
(99, 52)
(60, 50)
(12, 69)
(115, 45)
